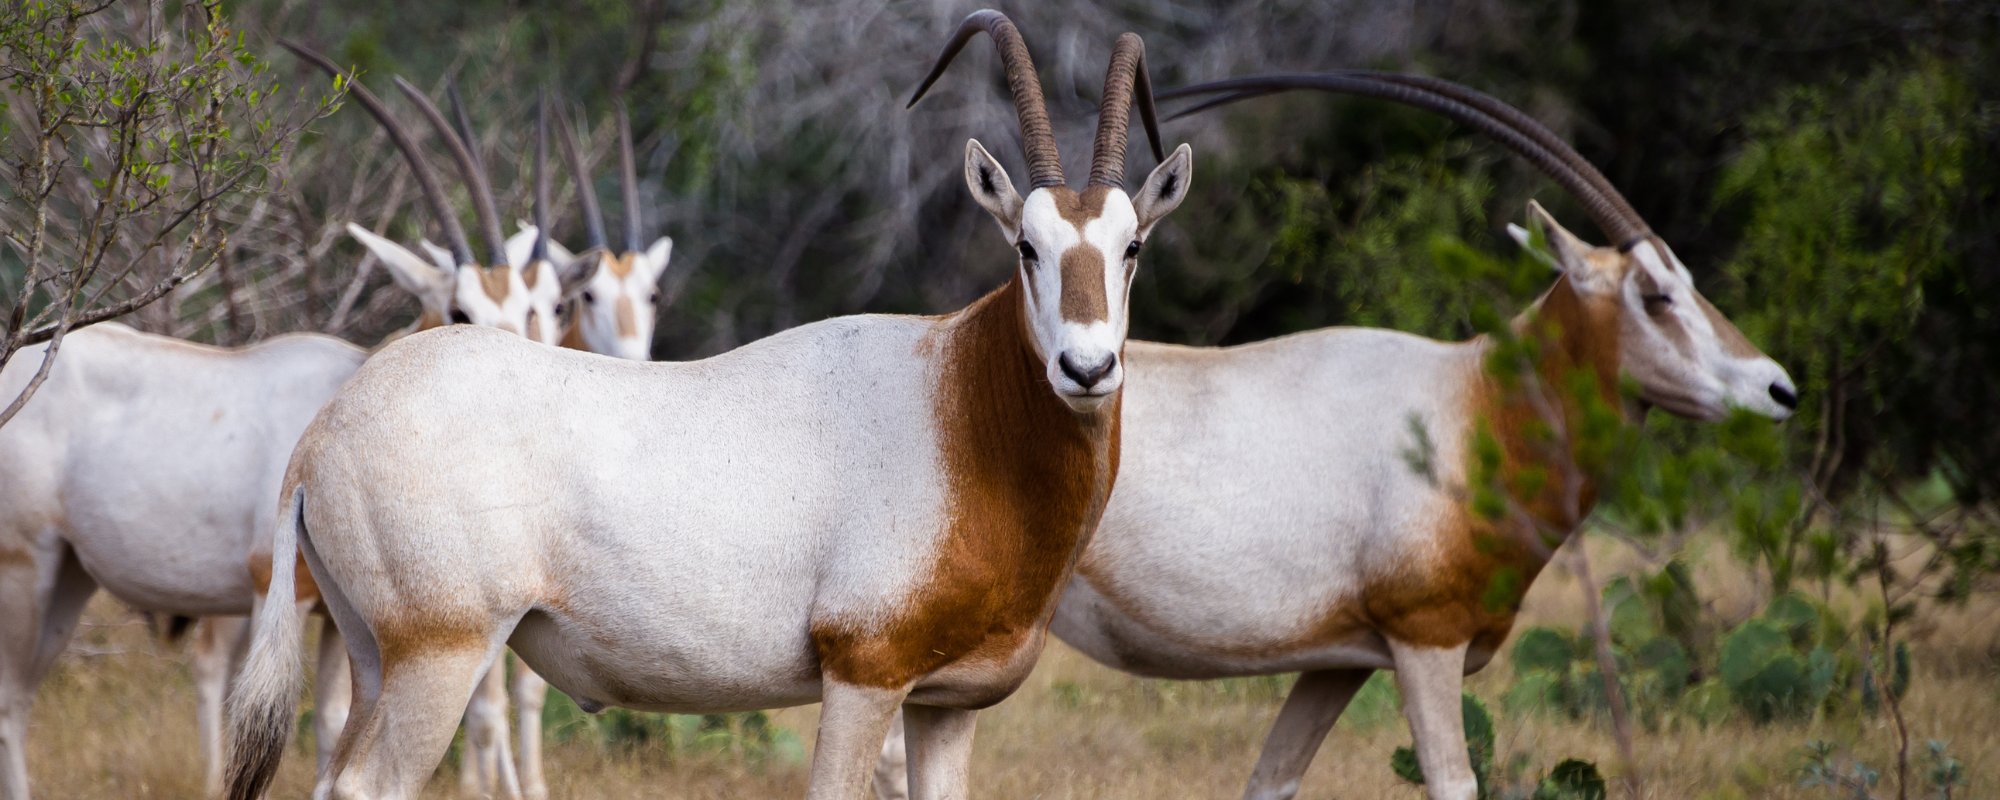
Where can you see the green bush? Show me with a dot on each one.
(1771, 665)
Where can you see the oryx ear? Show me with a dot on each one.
(993, 189)
(1526, 240)
(521, 246)
(1164, 189)
(439, 256)
(409, 271)
(1570, 253)
(657, 256)
(576, 268)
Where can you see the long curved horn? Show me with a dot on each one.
(463, 123)
(1114, 112)
(475, 178)
(1038, 138)
(628, 181)
(586, 189)
(426, 178)
(1540, 147)
(541, 210)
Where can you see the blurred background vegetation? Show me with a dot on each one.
(1827, 170)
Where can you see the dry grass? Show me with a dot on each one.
(117, 720)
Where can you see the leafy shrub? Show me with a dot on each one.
(1770, 672)
(1557, 671)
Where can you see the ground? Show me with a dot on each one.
(116, 720)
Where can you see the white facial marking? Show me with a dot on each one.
(1078, 351)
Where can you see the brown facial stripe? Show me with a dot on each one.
(493, 281)
(534, 331)
(628, 324)
(1026, 482)
(1083, 267)
(1733, 340)
(532, 274)
(1083, 297)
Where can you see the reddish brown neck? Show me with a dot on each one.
(1577, 339)
(1026, 480)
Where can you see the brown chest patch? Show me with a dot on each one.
(1027, 479)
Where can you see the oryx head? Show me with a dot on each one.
(1683, 354)
(1077, 250)
(617, 294)
(452, 286)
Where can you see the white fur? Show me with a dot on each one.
(149, 464)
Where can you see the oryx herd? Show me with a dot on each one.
(882, 514)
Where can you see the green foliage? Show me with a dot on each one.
(1479, 744)
(1771, 665)
(1557, 671)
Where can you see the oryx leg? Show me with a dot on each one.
(940, 750)
(45, 590)
(892, 772)
(395, 740)
(333, 692)
(486, 764)
(852, 721)
(1431, 679)
(1314, 705)
(214, 655)
(530, 692)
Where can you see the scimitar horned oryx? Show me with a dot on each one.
(1266, 520)
(146, 466)
(868, 511)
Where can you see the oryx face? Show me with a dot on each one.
(618, 299)
(1684, 355)
(1077, 254)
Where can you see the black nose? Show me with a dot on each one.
(1784, 397)
(1087, 376)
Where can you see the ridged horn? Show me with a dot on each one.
(1126, 74)
(468, 166)
(541, 210)
(586, 189)
(628, 181)
(1038, 139)
(463, 123)
(1514, 130)
(427, 179)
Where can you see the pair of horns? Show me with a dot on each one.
(593, 215)
(468, 161)
(1467, 106)
(1125, 83)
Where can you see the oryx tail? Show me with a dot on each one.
(266, 698)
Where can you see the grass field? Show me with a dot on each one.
(116, 720)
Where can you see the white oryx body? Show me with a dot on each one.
(867, 511)
(144, 465)
(151, 462)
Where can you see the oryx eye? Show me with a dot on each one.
(1132, 250)
(459, 318)
(654, 299)
(558, 307)
(1656, 303)
(588, 298)
(1027, 250)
